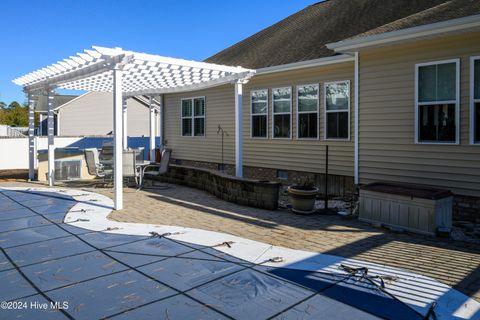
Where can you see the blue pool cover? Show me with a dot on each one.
(51, 270)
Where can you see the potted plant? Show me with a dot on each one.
(302, 198)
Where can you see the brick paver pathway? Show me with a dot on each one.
(453, 263)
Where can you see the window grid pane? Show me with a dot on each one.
(199, 127)
(477, 122)
(186, 108)
(437, 123)
(199, 106)
(308, 125)
(187, 127)
(259, 126)
(337, 96)
(282, 100)
(437, 82)
(337, 125)
(476, 79)
(307, 98)
(281, 126)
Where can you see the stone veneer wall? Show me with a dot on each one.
(466, 208)
(337, 185)
(253, 193)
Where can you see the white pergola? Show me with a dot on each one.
(127, 74)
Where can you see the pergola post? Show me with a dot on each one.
(238, 129)
(31, 138)
(124, 119)
(51, 139)
(160, 120)
(117, 139)
(152, 129)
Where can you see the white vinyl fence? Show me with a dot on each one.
(14, 151)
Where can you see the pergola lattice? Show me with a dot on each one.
(127, 74)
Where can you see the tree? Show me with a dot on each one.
(14, 115)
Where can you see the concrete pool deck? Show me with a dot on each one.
(250, 251)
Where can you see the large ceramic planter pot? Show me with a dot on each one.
(302, 199)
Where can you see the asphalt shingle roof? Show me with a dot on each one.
(304, 35)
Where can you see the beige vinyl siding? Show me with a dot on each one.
(288, 154)
(92, 114)
(219, 110)
(295, 154)
(387, 117)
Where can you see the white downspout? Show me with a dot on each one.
(356, 122)
(238, 129)
(125, 127)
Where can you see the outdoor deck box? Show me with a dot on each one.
(409, 207)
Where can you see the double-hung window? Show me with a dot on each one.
(475, 100)
(259, 113)
(307, 111)
(282, 112)
(337, 110)
(437, 102)
(193, 117)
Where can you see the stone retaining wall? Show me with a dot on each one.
(253, 193)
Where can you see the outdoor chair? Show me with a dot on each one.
(95, 168)
(158, 169)
(106, 154)
(129, 165)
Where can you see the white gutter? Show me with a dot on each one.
(407, 34)
(306, 64)
(356, 120)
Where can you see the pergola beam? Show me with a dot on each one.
(127, 74)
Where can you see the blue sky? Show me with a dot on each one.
(38, 33)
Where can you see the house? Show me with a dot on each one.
(392, 87)
(73, 115)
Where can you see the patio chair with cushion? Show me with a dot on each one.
(95, 168)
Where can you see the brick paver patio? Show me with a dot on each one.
(453, 263)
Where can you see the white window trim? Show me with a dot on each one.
(306, 112)
(280, 113)
(193, 117)
(257, 114)
(473, 101)
(456, 102)
(335, 111)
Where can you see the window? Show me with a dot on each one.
(307, 111)
(436, 113)
(193, 117)
(282, 112)
(282, 174)
(475, 99)
(337, 110)
(259, 113)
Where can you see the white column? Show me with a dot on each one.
(124, 119)
(356, 121)
(31, 138)
(238, 130)
(117, 140)
(160, 120)
(152, 129)
(51, 139)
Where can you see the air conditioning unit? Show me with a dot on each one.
(68, 169)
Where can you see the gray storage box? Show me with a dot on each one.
(410, 207)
